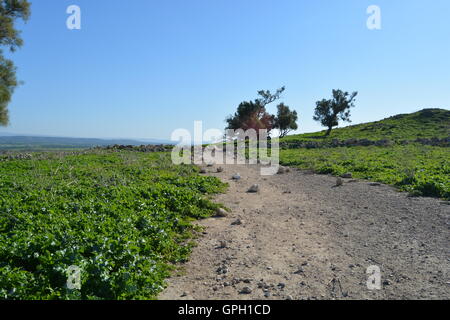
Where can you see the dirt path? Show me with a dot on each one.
(301, 237)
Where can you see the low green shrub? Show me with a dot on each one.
(123, 218)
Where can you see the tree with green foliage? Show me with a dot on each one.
(329, 112)
(10, 11)
(253, 114)
(286, 120)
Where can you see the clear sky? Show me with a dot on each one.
(142, 68)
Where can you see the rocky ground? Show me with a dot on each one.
(303, 237)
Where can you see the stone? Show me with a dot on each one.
(221, 213)
(281, 170)
(222, 270)
(236, 222)
(299, 271)
(253, 189)
(246, 290)
(236, 176)
(219, 169)
(202, 170)
(347, 175)
(339, 182)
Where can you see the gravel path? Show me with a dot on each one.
(302, 237)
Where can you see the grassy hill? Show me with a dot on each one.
(427, 123)
(408, 163)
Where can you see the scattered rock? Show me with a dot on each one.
(202, 170)
(339, 182)
(374, 184)
(210, 164)
(299, 271)
(347, 175)
(267, 294)
(237, 176)
(281, 170)
(222, 244)
(222, 270)
(221, 213)
(246, 290)
(219, 169)
(289, 297)
(253, 189)
(236, 222)
(184, 294)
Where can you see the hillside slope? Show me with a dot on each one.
(409, 151)
(424, 124)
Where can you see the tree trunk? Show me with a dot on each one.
(329, 131)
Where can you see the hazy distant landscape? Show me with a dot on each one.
(35, 143)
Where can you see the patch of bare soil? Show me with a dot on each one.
(303, 237)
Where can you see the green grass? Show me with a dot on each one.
(122, 217)
(427, 123)
(419, 169)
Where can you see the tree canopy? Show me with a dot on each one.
(286, 120)
(329, 112)
(253, 114)
(250, 115)
(10, 11)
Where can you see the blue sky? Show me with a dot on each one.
(142, 68)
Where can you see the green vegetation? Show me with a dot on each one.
(329, 111)
(427, 123)
(10, 11)
(252, 115)
(414, 167)
(122, 217)
(421, 170)
(286, 120)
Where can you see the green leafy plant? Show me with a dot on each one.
(122, 217)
